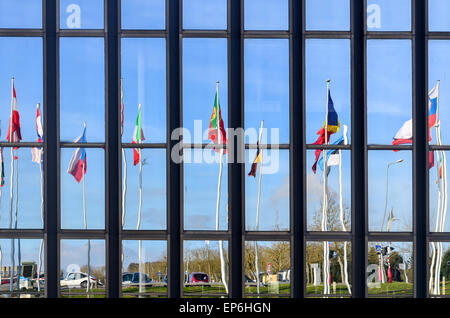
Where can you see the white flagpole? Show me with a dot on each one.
(11, 282)
(88, 285)
(19, 258)
(438, 211)
(436, 227)
(219, 184)
(140, 209)
(124, 191)
(325, 203)
(341, 209)
(443, 213)
(124, 194)
(42, 218)
(444, 198)
(257, 205)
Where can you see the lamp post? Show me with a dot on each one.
(387, 185)
(385, 209)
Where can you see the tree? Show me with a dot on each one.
(333, 224)
(445, 268)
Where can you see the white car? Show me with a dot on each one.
(78, 279)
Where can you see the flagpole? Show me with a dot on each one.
(19, 256)
(140, 207)
(219, 184)
(42, 217)
(440, 198)
(88, 285)
(325, 199)
(444, 196)
(124, 194)
(341, 208)
(438, 212)
(11, 281)
(124, 191)
(258, 203)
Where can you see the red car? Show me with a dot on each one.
(198, 277)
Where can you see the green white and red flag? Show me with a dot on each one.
(138, 137)
(216, 126)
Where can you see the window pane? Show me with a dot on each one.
(21, 58)
(327, 59)
(206, 268)
(22, 256)
(270, 275)
(266, 14)
(390, 191)
(21, 14)
(204, 63)
(438, 193)
(83, 257)
(153, 210)
(438, 72)
(439, 269)
(389, 88)
(152, 266)
(138, 14)
(388, 15)
(72, 208)
(438, 15)
(201, 180)
(328, 269)
(144, 82)
(82, 91)
(390, 271)
(329, 15)
(24, 208)
(338, 185)
(195, 11)
(81, 14)
(266, 80)
(273, 212)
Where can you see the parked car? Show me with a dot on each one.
(78, 279)
(127, 278)
(40, 281)
(133, 278)
(198, 278)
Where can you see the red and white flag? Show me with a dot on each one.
(37, 152)
(14, 129)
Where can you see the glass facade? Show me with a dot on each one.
(226, 148)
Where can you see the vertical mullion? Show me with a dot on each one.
(297, 149)
(420, 150)
(112, 154)
(236, 170)
(173, 169)
(51, 150)
(359, 154)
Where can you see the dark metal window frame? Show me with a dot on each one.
(236, 235)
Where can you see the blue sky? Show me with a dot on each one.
(266, 97)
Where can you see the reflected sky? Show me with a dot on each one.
(266, 97)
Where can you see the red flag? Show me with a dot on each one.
(14, 130)
(320, 141)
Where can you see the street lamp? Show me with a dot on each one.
(387, 184)
(384, 216)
